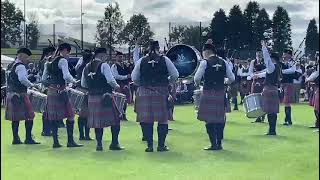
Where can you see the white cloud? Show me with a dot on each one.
(66, 13)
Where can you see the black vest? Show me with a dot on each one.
(14, 85)
(244, 71)
(214, 74)
(258, 66)
(273, 79)
(156, 75)
(55, 73)
(123, 71)
(287, 78)
(97, 83)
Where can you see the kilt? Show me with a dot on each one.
(316, 100)
(152, 105)
(212, 107)
(100, 116)
(245, 87)
(234, 89)
(125, 89)
(84, 108)
(227, 106)
(270, 100)
(19, 112)
(56, 107)
(289, 93)
(257, 85)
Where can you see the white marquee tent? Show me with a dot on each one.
(6, 60)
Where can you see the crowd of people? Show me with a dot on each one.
(151, 82)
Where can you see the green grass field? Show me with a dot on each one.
(247, 154)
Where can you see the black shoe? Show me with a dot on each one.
(46, 134)
(162, 149)
(56, 145)
(271, 134)
(217, 148)
(236, 109)
(209, 148)
(99, 148)
(144, 139)
(31, 141)
(115, 147)
(61, 125)
(286, 124)
(73, 144)
(88, 139)
(149, 149)
(16, 141)
(81, 138)
(313, 127)
(170, 129)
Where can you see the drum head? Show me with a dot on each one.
(185, 58)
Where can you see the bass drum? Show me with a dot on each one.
(185, 58)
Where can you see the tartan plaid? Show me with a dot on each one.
(257, 86)
(245, 87)
(289, 94)
(234, 89)
(100, 116)
(84, 107)
(270, 100)
(19, 112)
(56, 107)
(151, 105)
(316, 100)
(212, 106)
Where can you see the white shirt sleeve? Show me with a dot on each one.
(63, 65)
(135, 75)
(83, 80)
(262, 74)
(200, 72)
(291, 70)
(21, 71)
(251, 67)
(229, 74)
(313, 76)
(267, 60)
(136, 54)
(106, 71)
(172, 70)
(79, 63)
(45, 74)
(116, 73)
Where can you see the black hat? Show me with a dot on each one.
(64, 46)
(119, 53)
(24, 50)
(100, 50)
(288, 51)
(154, 45)
(209, 46)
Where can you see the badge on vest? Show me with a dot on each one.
(153, 62)
(217, 66)
(91, 75)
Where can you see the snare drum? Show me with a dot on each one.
(196, 98)
(76, 98)
(119, 100)
(38, 100)
(253, 105)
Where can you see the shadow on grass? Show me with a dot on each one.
(228, 155)
(278, 137)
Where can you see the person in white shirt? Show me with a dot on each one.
(18, 106)
(58, 103)
(297, 82)
(314, 77)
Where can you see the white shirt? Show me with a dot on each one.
(106, 71)
(63, 65)
(241, 73)
(295, 81)
(268, 62)
(313, 76)
(172, 70)
(116, 74)
(22, 74)
(136, 54)
(251, 70)
(202, 69)
(292, 68)
(79, 63)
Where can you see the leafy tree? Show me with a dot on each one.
(312, 39)
(281, 30)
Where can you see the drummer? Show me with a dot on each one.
(19, 107)
(257, 66)
(245, 85)
(212, 103)
(123, 76)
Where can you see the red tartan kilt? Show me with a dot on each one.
(151, 106)
(84, 107)
(270, 100)
(257, 85)
(234, 90)
(245, 87)
(311, 99)
(212, 107)
(100, 116)
(56, 107)
(289, 93)
(316, 100)
(19, 112)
